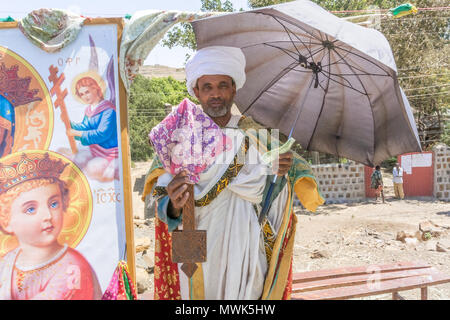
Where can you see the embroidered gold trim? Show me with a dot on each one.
(269, 240)
(159, 192)
(232, 171)
(21, 274)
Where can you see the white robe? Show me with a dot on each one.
(236, 263)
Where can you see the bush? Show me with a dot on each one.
(445, 138)
(146, 108)
(389, 164)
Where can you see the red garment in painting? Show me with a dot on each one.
(68, 276)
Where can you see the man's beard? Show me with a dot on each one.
(217, 111)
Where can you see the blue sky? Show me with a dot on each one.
(107, 8)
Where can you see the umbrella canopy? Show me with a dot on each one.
(331, 81)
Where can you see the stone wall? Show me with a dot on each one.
(340, 183)
(442, 172)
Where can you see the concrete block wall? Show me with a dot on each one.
(341, 183)
(442, 172)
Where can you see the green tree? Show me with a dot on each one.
(446, 134)
(183, 35)
(264, 3)
(421, 49)
(147, 107)
(333, 5)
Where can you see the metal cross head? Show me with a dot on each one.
(189, 245)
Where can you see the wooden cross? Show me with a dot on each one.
(189, 245)
(59, 102)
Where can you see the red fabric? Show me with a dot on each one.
(288, 290)
(167, 281)
(117, 288)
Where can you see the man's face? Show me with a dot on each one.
(216, 94)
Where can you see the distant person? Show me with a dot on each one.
(397, 172)
(377, 183)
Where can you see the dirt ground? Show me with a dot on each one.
(338, 235)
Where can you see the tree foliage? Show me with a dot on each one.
(183, 35)
(147, 107)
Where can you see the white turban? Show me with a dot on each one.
(216, 60)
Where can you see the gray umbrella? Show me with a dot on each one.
(330, 83)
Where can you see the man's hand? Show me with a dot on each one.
(284, 163)
(177, 194)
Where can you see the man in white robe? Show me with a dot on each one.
(228, 200)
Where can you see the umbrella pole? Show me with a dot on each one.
(267, 202)
(265, 209)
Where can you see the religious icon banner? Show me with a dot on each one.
(63, 199)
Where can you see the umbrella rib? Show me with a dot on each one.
(257, 44)
(365, 73)
(355, 67)
(323, 57)
(288, 31)
(339, 76)
(354, 74)
(298, 26)
(313, 54)
(318, 50)
(322, 87)
(303, 71)
(360, 56)
(284, 50)
(293, 43)
(321, 60)
(321, 107)
(360, 74)
(368, 99)
(336, 62)
(270, 84)
(342, 84)
(287, 51)
(304, 45)
(321, 38)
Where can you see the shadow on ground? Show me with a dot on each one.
(139, 184)
(149, 206)
(299, 210)
(444, 213)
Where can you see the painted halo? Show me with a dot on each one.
(78, 215)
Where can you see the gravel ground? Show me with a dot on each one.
(337, 235)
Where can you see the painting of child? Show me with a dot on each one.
(33, 202)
